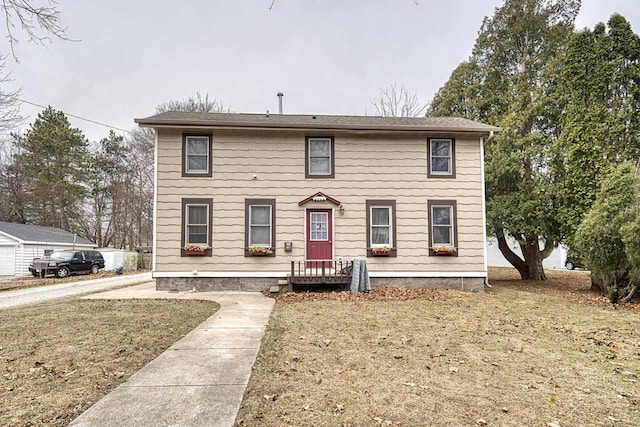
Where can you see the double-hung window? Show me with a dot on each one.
(260, 229)
(442, 162)
(443, 231)
(381, 226)
(196, 155)
(319, 161)
(196, 223)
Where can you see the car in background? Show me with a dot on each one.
(66, 262)
(574, 260)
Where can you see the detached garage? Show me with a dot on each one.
(20, 243)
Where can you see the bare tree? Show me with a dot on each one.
(37, 21)
(198, 103)
(394, 102)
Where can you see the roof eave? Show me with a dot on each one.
(319, 126)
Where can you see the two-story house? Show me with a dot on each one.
(241, 198)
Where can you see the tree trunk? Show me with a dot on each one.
(531, 267)
(533, 259)
(597, 285)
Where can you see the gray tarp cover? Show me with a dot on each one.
(360, 276)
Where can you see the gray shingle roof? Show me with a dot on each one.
(36, 233)
(298, 121)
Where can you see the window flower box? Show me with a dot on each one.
(195, 250)
(260, 251)
(443, 250)
(381, 251)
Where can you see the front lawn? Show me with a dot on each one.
(57, 359)
(521, 353)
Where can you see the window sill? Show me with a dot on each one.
(381, 253)
(450, 251)
(392, 253)
(194, 253)
(271, 253)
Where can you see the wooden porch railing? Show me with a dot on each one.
(321, 273)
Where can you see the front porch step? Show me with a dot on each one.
(282, 284)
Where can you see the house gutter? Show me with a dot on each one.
(361, 130)
(318, 126)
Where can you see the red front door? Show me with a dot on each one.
(319, 235)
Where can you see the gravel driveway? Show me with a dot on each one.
(20, 297)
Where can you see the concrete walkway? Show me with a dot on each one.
(201, 379)
(20, 297)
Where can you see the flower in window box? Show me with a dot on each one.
(444, 250)
(260, 250)
(381, 251)
(193, 249)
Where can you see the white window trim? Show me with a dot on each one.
(326, 214)
(451, 225)
(261, 225)
(449, 157)
(186, 155)
(187, 224)
(309, 141)
(389, 226)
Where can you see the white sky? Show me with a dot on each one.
(327, 56)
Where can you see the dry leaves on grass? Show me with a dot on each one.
(57, 359)
(518, 354)
(376, 294)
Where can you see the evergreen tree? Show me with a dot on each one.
(507, 82)
(52, 158)
(601, 126)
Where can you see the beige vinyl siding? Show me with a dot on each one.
(367, 166)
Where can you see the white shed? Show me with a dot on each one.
(495, 258)
(20, 243)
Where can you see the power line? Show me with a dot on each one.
(77, 117)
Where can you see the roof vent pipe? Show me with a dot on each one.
(280, 95)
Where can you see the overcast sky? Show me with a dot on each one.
(327, 56)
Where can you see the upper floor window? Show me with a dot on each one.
(381, 226)
(319, 161)
(196, 155)
(442, 161)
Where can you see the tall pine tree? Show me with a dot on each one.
(51, 158)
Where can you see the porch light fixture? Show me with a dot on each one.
(341, 209)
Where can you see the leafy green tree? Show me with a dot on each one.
(601, 126)
(51, 158)
(606, 238)
(507, 82)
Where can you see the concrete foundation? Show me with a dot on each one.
(475, 284)
(203, 284)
